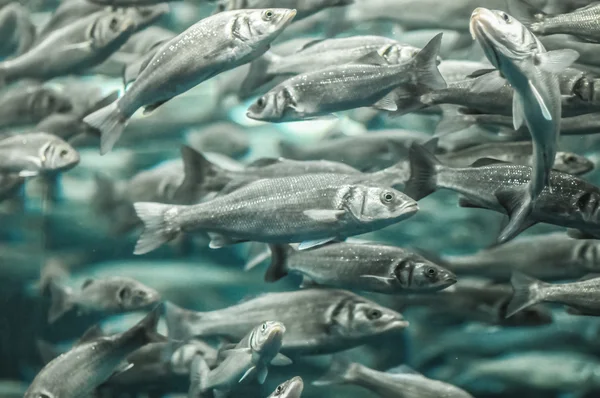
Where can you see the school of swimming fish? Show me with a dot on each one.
(239, 198)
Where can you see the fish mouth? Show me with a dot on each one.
(409, 208)
(297, 384)
(288, 17)
(276, 333)
(479, 18)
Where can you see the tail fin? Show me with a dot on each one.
(518, 205)
(257, 253)
(423, 172)
(111, 124)
(428, 74)
(524, 12)
(176, 319)
(527, 291)
(196, 168)
(144, 332)
(258, 75)
(157, 230)
(61, 301)
(277, 268)
(53, 269)
(340, 372)
(198, 373)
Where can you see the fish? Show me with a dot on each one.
(304, 8)
(243, 35)
(31, 154)
(365, 152)
(245, 361)
(27, 104)
(224, 138)
(368, 82)
(370, 267)
(568, 202)
(517, 153)
(291, 388)
(16, 29)
(323, 320)
(317, 208)
(71, 49)
(79, 371)
(579, 296)
(548, 256)
(399, 382)
(108, 295)
(531, 70)
(320, 54)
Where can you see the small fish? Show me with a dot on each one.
(318, 321)
(107, 295)
(581, 297)
(78, 372)
(243, 362)
(31, 154)
(65, 14)
(317, 208)
(517, 153)
(305, 8)
(291, 388)
(531, 70)
(371, 81)
(240, 37)
(400, 382)
(28, 104)
(569, 201)
(16, 29)
(371, 267)
(549, 256)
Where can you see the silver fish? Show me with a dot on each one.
(225, 138)
(305, 8)
(531, 70)
(16, 29)
(368, 82)
(71, 49)
(318, 321)
(31, 154)
(108, 295)
(240, 37)
(78, 372)
(28, 104)
(245, 361)
(317, 208)
(291, 388)
(400, 382)
(371, 267)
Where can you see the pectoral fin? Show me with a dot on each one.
(262, 374)
(281, 360)
(556, 61)
(544, 108)
(517, 111)
(309, 244)
(248, 374)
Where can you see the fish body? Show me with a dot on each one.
(291, 388)
(16, 29)
(29, 104)
(211, 46)
(279, 210)
(305, 8)
(372, 267)
(317, 321)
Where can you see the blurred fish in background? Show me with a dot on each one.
(299, 198)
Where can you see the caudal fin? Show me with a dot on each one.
(518, 205)
(61, 301)
(524, 12)
(196, 170)
(423, 172)
(258, 75)
(177, 319)
(198, 374)
(144, 332)
(340, 372)
(157, 229)
(527, 291)
(426, 62)
(110, 122)
(277, 268)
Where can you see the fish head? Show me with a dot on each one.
(372, 204)
(417, 273)
(58, 155)
(501, 36)
(266, 339)
(48, 101)
(133, 295)
(291, 388)
(262, 25)
(111, 27)
(371, 319)
(38, 392)
(572, 163)
(275, 106)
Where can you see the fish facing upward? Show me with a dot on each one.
(532, 72)
(209, 47)
(291, 388)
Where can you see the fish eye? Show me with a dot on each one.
(261, 102)
(63, 153)
(374, 314)
(124, 294)
(268, 15)
(264, 327)
(506, 17)
(431, 272)
(387, 197)
(113, 23)
(279, 389)
(570, 159)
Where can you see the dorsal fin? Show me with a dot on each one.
(87, 283)
(93, 333)
(263, 162)
(487, 162)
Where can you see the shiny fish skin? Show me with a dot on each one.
(305, 8)
(323, 320)
(28, 104)
(291, 388)
(279, 210)
(236, 37)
